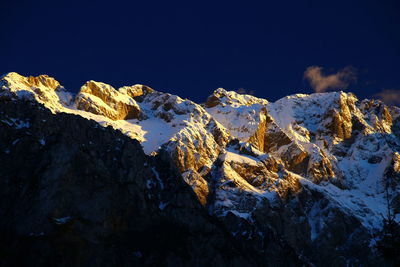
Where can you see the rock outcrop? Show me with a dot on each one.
(44, 89)
(103, 99)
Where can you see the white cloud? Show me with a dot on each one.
(338, 81)
(389, 96)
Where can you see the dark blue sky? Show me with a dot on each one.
(191, 48)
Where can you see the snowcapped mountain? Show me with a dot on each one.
(308, 172)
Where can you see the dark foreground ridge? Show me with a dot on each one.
(77, 194)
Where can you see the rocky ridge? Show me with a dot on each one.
(309, 170)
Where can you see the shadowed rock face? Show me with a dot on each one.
(74, 193)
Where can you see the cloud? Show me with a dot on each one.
(389, 96)
(338, 81)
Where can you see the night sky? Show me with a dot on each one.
(191, 48)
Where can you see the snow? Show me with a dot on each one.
(16, 123)
(157, 176)
(62, 220)
(152, 132)
(236, 100)
(367, 208)
(22, 124)
(240, 114)
(235, 157)
(306, 110)
(241, 121)
(15, 141)
(162, 205)
(64, 97)
(36, 234)
(244, 215)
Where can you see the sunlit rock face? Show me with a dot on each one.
(103, 99)
(43, 80)
(135, 90)
(44, 89)
(303, 174)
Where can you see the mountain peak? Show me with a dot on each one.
(43, 81)
(44, 89)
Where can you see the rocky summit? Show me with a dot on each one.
(134, 176)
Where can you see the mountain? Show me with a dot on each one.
(137, 176)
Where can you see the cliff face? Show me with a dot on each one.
(300, 181)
